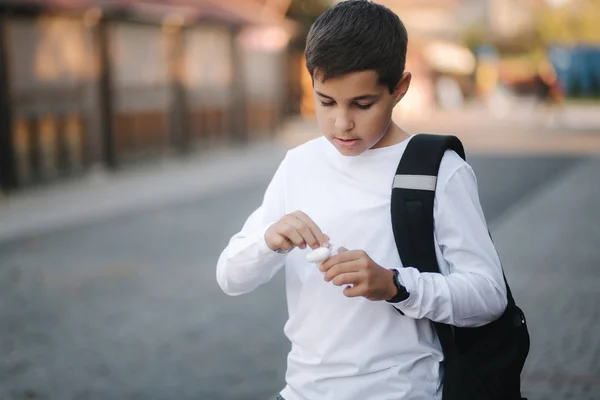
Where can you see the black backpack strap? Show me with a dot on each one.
(413, 195)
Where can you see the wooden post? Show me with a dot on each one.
(238, 124)
(35, 151)
(63, 156)
(179, 112)
(8, 173)
(106, 97)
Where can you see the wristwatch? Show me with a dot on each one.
(402, 293)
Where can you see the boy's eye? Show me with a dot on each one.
(327, 104)
(364, 106)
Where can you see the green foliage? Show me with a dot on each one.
(575, 22)
(475, 35)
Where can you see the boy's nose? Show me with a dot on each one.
(343, 124)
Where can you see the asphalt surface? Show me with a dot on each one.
(549, 249)
(128, 307)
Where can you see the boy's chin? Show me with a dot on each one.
(353, 152)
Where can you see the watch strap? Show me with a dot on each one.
(402, 293)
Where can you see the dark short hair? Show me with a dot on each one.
(357, 35)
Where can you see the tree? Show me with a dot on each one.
(574, 22)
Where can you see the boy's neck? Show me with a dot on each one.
(394, 135)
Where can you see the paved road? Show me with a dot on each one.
(128, 308)
(549, 248)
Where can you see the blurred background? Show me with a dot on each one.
(137, 136)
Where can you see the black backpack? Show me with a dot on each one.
(481, 363)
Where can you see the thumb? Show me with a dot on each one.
(341, 249)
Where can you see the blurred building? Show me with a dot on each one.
(440, 63)
(88, 83)
(510, 18)
(514, 18)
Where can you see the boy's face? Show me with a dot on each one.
(354, 111)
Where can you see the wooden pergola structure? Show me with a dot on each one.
(109, 82)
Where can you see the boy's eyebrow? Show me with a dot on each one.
(357, 98)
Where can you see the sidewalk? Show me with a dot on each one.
(104, 194)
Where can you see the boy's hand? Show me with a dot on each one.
(356, 268)
(295, 230)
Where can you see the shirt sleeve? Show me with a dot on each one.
(473, 293)
(247, 261)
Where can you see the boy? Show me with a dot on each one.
(348, 340)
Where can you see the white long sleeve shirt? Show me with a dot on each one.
(353, 348)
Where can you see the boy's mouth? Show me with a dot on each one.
(347, 143)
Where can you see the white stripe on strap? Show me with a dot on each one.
(417, 182)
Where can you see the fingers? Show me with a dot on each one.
(295, 230)
(310, 231)
(342, 257)
(360, 275)
(288, 229)
(340, 269)
(353, 291)
(276, 241)
(350, 278)
(301, 230)
(355, 284)
(354, 281)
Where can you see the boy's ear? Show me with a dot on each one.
(402, 87)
